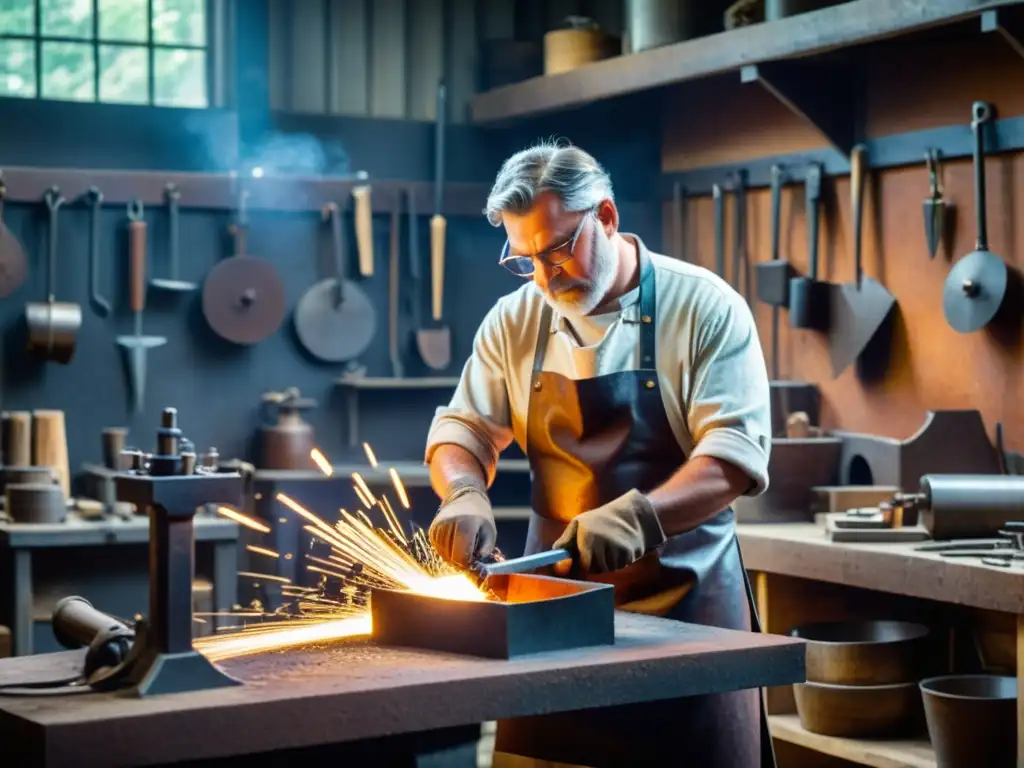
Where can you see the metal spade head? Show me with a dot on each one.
(435, 347)
(934, 223)
(135, 348)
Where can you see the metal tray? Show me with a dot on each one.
(534, 614)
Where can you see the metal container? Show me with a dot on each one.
(968, 506)
(533, 614)
(859, 711)
(287, 442)
(972, 720)
(864, 652)
(35, 503)
(654, 23)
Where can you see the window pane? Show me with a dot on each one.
(67, 18)
(18, 68)
(180, 78)
(124, 74)
(179, 21)
(17, 17)
(67, 71)
(123, 20)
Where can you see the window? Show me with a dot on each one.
(114, 51)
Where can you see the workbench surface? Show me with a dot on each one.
(355, 690)
(803, 550)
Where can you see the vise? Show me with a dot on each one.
(170, 485)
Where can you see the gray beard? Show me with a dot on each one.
(586, 295)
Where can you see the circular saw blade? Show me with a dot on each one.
(974, 291)
(13, 266)
(335, 332)
(244, 299)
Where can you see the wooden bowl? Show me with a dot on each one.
(859, 711)
(864, 652)
(972, 719)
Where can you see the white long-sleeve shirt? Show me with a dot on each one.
(711, 369)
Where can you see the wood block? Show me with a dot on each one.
(50, 445)
(839, 498)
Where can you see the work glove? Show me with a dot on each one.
(614, 535)
(463, 531)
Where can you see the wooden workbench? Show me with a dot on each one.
(354, 691)
(801, 576)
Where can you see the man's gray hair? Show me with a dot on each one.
(574, 175)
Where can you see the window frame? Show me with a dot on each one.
(38, 38)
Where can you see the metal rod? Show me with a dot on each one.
(525, 563)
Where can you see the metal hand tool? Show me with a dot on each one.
(137, 345)
(492, 567)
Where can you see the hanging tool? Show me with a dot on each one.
(243, 295)
(172, 282)
(934, 206)
(678, 217)
(364, 228)
(976, 286)
(808, 297)
(781, 292)
(334, 319)
(394, 275)
(740, 271)
(99, 304)
(53, 325)
(719, 203)
(435, 344)
(773, 276)
(136, 346)
(13, 265)
(415, 268)
(858, 311)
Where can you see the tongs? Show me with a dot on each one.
(493, 566)
(1009, 547)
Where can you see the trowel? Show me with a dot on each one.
(934, 206)
(137, 345)
(435, 344)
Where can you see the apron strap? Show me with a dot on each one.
(648, 310)
(543, 332)
(767, 747)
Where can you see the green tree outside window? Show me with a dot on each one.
(114, 51)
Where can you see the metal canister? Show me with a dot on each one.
(286, 442)
(653, 23)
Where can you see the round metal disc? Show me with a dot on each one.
(331, 332)
(13, 267)
(974, 291)
(243, 299)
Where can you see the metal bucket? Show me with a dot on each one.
(53, 329)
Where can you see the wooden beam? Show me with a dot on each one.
(808, 34)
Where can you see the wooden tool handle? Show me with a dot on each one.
(393, 289)
(50, 445)
(364, 229)
(137, 265)
(438, 226)
(17, 438)
(857, 158)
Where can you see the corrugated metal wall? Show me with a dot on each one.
(383, 58)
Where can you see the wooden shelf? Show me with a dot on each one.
(423, 382)
(774, 54)
(916, 753)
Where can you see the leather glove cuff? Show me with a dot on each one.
(647, 518)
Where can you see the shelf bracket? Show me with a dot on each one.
(816, 93)
(1009, 27)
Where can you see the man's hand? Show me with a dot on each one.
(463, 531)
(615, 535)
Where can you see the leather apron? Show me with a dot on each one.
(588, 442)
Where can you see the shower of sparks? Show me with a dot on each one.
(362, 556)
(370, 455)
(321, 462)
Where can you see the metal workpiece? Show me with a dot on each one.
(964, 506)
(170, 487)
(492, 567)
(531, 614)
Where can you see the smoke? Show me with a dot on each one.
(301, 155)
